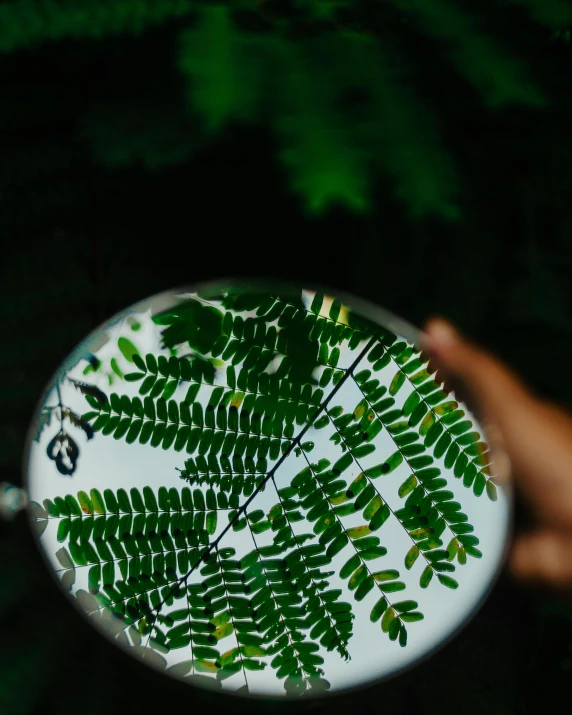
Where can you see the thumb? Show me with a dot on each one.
(483, 381)
(543, 557)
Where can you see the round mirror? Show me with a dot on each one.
(261, 489)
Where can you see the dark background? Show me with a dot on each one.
(84, 236)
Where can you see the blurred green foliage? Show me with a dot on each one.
(291, 67)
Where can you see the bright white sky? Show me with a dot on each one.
(107, 463)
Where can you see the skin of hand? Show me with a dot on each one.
(530, 443)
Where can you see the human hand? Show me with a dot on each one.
(530, 441)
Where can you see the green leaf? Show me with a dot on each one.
(337, 545)
(77, 554)
(394, 629)
(387, 575)
(378, 610)
(426, 577)
(127, 348)
(396, 383)
(94, 578)
(382, 362)
(404, 606)
(362, 376)
(356, 532)
(138, 361)
(387, 619)
(411, 556)
(373, 507)
(111, 501)
(447, 581)
(150, 500)
(252, 651)
(472, 551)
(350, 566)
(442, 445)
(73, 505)
(426, 423)
(63, 530)
(411, 616)
(364, 588)
(363, 451)
(411, 403)
(205, 652)
(97, 501)
(85, 503)
(408, 486)
(211, 522)
(392, 462)
(392, 586)
(335, 309)
(225, 630)
(379, 518)
(342, 464)
(357, 578)
(359, 483)
(317, 302)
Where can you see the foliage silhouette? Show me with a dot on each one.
(247, 410)
(62, 448)
(294, 67)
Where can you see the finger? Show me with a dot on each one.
(543, 558)
(496, 455)
(536, 435)
(450, 385)
(476, 376)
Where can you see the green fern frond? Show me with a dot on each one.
(280, 327)
(230, 484)
(293, 74)
(277, 601)
(499, 78)
(441, 424)
(329, 618)
(316, 143)
(138, 562)
(394, 126)
(185, 425)
(315, 487)
(26, 23)
(173, 423)
(423, 527)
(224, 69)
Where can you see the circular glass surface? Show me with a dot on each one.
(261, 489)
